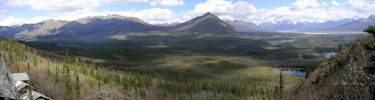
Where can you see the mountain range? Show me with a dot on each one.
(243, 26)
(95, 27)
(339, 25)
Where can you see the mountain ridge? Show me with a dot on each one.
(111, 24)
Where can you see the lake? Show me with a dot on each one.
(325, 55)
(292, 71)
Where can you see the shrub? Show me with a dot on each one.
(370, 29)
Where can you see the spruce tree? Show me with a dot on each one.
(30, 91)
(77, 83)
(281, 83)
(56, 74)
(66, 71)
(370, 29)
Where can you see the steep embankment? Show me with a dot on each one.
(348, 75)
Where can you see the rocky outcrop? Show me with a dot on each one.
(344, 76)
(7, 88)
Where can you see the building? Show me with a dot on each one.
(35, 96)
(13, 86)
(22, 88)
(20, 77)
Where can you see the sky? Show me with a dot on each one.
(16, 12)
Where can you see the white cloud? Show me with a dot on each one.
(152, 2)
(225, 7)
(305, 4)
(310, 11)
(227, 10)
(11, 20)
(56, 5)
(167, 2)
(299, 11)
(155, 15)
(76, 5)
(335, 3)
(127, 1)
(363, 6)
(152, 15)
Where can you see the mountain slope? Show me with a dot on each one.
(6, 31)
(206, 23)
(97, 27)
(242, 26)
(348, 75)
(45, 28)
(92, 26)
(356, 25)
(106, 25)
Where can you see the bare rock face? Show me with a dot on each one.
(7, 88)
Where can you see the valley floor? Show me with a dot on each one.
(238, 70)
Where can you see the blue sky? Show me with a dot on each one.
(13, 12)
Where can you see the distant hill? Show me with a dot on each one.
(243, 26)
(208, 23)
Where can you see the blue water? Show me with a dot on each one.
(325, 55)
(292, 71)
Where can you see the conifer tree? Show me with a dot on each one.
(30, 91)
(28, 67)
(281, 83)
(66, 72)
(77, 83)
(29, 82)
(370, 29)
(56, 74)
